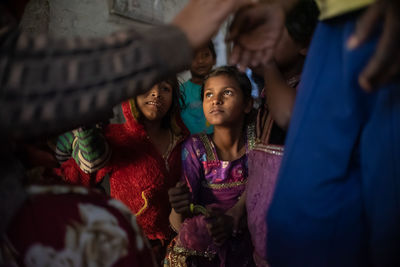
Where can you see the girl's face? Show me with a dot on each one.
(202, 62)
(223, 102)
(155, 103)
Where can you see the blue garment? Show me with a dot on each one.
(337, 201)
(192, 114)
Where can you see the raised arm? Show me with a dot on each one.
(52, 85)
(279, 95)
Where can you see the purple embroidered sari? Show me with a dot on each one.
(264, 163)
(217, 184)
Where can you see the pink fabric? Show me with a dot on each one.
(263, 172)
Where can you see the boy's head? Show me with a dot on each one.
(300, 24)
(203, 61)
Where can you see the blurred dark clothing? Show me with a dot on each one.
(52, 85)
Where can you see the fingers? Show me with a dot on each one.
(235, 55)
(245, 59)
(220, 228)
(250, 59)
(365, 26)
(238, 24)
(257, 58)
(179, 197)
(386, 55)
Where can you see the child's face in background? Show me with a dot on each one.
(155, 103)
(202, 62)
(287, 52)
(223, 102)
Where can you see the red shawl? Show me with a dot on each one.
(139, 176)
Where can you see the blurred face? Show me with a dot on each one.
(202, 63)
(155, 104)
(223, 102)
(287, 51)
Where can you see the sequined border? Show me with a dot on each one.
(251, 136)
(188, 252)
(271, 149)
(207, 145)
(223, 185)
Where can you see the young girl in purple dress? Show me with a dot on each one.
(214, 177)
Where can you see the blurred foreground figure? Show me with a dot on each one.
(49, 85)
(337, 197)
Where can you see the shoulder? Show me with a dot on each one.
(194, 144)
(193, 141)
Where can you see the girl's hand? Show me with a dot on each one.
(383, 66)
(179, 197)
(239, 218)
(219, 226)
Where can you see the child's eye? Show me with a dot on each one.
(208, 94)
(228, 92)
(166, 89)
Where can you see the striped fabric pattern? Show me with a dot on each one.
(52, 85)
(64, 147)
(87, 146)
(90, 150)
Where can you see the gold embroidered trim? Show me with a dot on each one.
(208, 146)
(272, 149)
(224, 185)
(188, 252)
(144, 206)
(251, 136)
(134, 109)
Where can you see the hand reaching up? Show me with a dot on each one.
(201, 19)
(384, 65)
(255, 31)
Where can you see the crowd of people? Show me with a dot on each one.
(197, 174)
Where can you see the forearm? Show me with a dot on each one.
(51, 85)
(286, 4)
(280, 97)
(175, 219)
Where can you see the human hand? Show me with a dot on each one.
(384, 65)
(201, 19)
(219, 226)
(179, 197)
(239, 219)
(255, 31)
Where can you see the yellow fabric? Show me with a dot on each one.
(144, 206)
(333, 8)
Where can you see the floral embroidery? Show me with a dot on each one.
(98, 241)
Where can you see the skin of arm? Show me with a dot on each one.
(176, 219)
(280, 97)
(238, 213)
(180, 198)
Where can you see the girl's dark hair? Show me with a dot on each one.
(302, 20)
(232, 72)
(177, 98)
